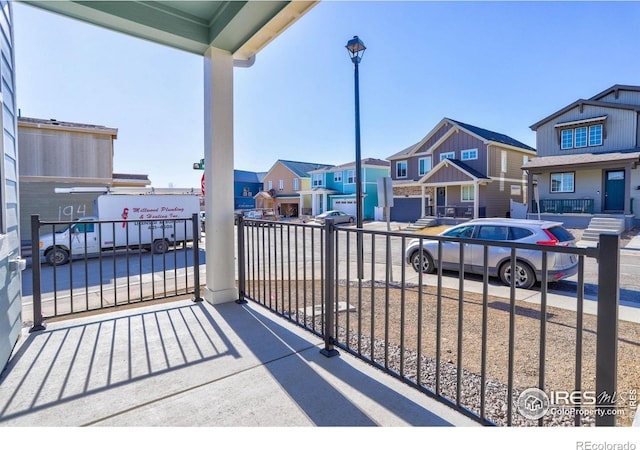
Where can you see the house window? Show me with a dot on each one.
(468, 193)
(581, 137)
(469, 154)
(595, 135)
(424, 165)
(296, 184)
(337, 177)
(270, 185)
(351, 177)
(562, 182)
(401, 169)
(316, 179)
(567, 139)
(281, 185)
(448, 155)
(246, 192)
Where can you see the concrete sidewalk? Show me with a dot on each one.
(193, 364)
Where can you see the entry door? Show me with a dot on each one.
(441, 199)
(614, 190)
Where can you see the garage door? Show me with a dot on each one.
(347, 206)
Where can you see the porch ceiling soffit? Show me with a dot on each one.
(452, 165)
(242, 28)
(583, 161)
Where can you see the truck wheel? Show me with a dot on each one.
(57, 256)
(160, 246)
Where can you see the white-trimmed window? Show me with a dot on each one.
(281, 185)
(337, 177)
(566, 140)
(401, 169)
(466, 155)
(316, 179)
(563, 182)
(468, 193)
(447, 155)
(580, 136)
(424, 165)
(296, 184)
(269, 185)
(595, 135)
(351, 177)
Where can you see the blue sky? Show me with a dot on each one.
(497, 65)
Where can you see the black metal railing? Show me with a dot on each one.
(477, 351)
(454, 211)
(564, 206)
(73, 273)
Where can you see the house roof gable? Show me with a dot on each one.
(457, 164)
(593, 101)
(299, 168)
(481, 133)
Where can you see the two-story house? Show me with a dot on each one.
(334, 188)
(246, 185)
(458, 171)
(282, 185)
(588, 157)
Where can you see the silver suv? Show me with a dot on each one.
(528, 262)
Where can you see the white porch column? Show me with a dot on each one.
(422, 205)
(218, 156)
(476, 200)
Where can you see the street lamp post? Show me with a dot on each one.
(356, 49)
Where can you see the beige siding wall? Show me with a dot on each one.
(277, 173)
(40, 198)
(513, 166)
(45, 152)
(620, 131)
(496, 197)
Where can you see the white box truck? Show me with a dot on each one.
(152, 220)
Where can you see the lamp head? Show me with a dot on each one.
(356, 49)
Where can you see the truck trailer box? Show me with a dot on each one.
(152, 222)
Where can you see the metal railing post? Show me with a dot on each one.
(195, 225)
(607, 329)
(329, 306)
(38, 324)
(241, 250)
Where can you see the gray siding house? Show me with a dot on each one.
(458, 171)
(588, 156)
(10, 268)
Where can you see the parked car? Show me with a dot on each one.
(528, 262)
(337, 216)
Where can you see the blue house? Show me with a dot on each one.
(245, 186)
(334, 188)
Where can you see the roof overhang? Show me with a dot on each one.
(450, 163)
(582, 161)
(242, 28)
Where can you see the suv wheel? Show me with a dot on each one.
(525, 278)
(425, 263)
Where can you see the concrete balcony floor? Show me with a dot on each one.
(184, 364)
